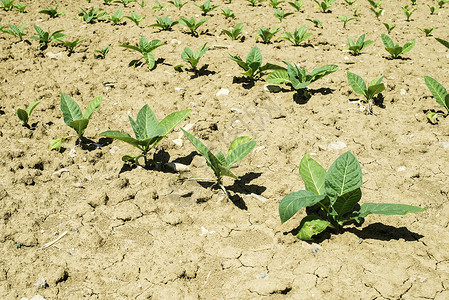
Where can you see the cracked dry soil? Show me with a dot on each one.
(136, 233)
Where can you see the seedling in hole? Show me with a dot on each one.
(192, 58)
(316, 22)
(350, 2)
(102, 53)
(359, 86)
(124, 2)
(443, 42)
(377, 11)
(345, 20)
(266, 34)
(433, 10)
(336, 192)
(146, 49)
(389, 27)
(299, 36)
(52, 11)
(164, 23)
(117, 17)
(7, 5)
(20, 7)
(178, 3)
(253, 65)
(298, 78)
(234, 32)
(427, 31)
(15, 31)
(158, 6)
(375, 4)
(395, 50)
(135, 18)
(442, 2)
(206, 8)
(276, 3)
(281, 14)
(92, 15)
(148, 132)
(24, 115)
(357, 47)
(220, 164)
(192, 25)
(227, 13)
(45, 38)
(297, 4)
(440, 94)
(408, 13)
(324, 5)
(254, 2)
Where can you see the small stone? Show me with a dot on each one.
(444, 144)
(272, 88)
(41, 284)
(401, 169)
(52, 55)
(336, 146)
(114, 149)
(186, 128)
(259, 197)
(403, 92)
(59, 172)
(37, 297)
(175, 41)
(204, 231)
(178, 142)
(72, 153)
(262, 275)
(179, 89)
(447, 55)
(346, 58)
(237, 110)
(177, 167)
(222, 92)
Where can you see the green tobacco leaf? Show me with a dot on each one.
(343, 176)
(407, 47)
(270, 66)
(357, 83)
(135, 48)
(221, 157)
(295, 201)
(173, 119)
(239, 153)
(224, 171)
(56, 144)
(322, 71)
(147, 122)
(438, 91)
(239, 141)
(443, 42)
(374, 90)
(388, 42)
(121, 136)
(310, 226)
(79, 126)
(395, 51)
(387, 209)
(254, 56)
(129, 157)
(70, 109)
(377, 81)
(278, 77)
(150, 60)
(93, 106)
(32, 106)
(22, 115)
(138, 132)
(346, 202)
(312, 173)
(433, 117)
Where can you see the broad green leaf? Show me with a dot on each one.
(187, 54)
(438, 91)
(239, 61)
(254, 56)
(443, 42)
(239, 141)
(346, 202)
(278, 77)
(32, 106)
(446, 102)
(387, 209)
(395, 51)
(93, 106)
(150, 60)
(343, 176)
(357, 83)
(224, 171)
(375, 89)
(360, 40)
(310, 226)
(352, 44)
(22, 115)
(270, 66)
(221, 157)
(295, 201)
(388, 42)
(173, 119)
(377, 81)
(56, 144)
(131, 47)
(121, 136)
(79, 126)
(201, 50)
(70, 109)
(312, 173)
(146, 121)
(129, 157)
(407, 47)
(322, 71)
(138, 132)
(239, 153)
(39, 31)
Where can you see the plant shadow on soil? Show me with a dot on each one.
(300, 97)
(89, 145)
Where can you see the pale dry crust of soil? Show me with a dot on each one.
(136, 233)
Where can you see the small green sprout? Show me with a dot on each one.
(116, 17)
(440, 94)
(345, 20)
(92, 15)
(408, 13)
(255, 2)
(266, 34)
(324, 5)
(356, 47)
(192, 24)
(427, 31)
(164, 23)
(297, 4)
(24, 115)
(280, 14)
(358, 85)
(441, 3)
(276, 3)
(146, 49)
(389, 27)
(178, 3)
(148, 132)
(355, 13)
(443, 42)
(413, 2)
(15, 31)
(350, 2)
(234, 32)
(20, 7)
(192, 58)
(7, 5)
(375, 4)
(52, 11)
(70, 46)
(45, 38)
(135, 18)
(124, 2)
(377, 11)
(102, 53)
(395, 50)
(433, 10)
(316, 22)
(158, 6)
(336, 192)
(206, 7)
(299, 36)
(227, 13)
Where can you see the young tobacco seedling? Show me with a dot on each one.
(433, 10)
(193, 58)
(254, 2)
(336, 192)
(146, 49)
(316, 22)
(298, 78)
(116, 17)
(350, 2)
(276, 3)
(135, 18)
(234, 32)
(70, 46)
(440, 94)
(102, 53)
(206, 7)
(324, 5)
(15, 31)
(45, 38)
(143, 4)
(297, 4)
(220, 164)
(158, 6)
(266, 34)
(148, 131)
(408, 13)
(124, 2)
(52, 11)
(355, 14)
(299, 36)
(345, 20)
(413, 2)
(359, 86)
(357, 47)
(20, 7)
(375, 4)
(92, 15)
(427, 31)
(7, 5)
(377, 11)
(24, 115)
(253, 65)
(443, 42)
(192, 24)
(395, 50)
(227, 13)
(178, 3)
(442, 2)
(164, 23)
(280, 14)
(389, 27)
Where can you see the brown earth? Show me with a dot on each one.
(134, 233)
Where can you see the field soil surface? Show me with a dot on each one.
(129, 232)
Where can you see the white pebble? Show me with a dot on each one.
(222, 92)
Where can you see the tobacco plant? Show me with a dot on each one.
(276, 3)
(358, 85)
(178, 3)
(135, 18)
(389, 27)
(253, 65)
(297, 4)
(92, 15)
(427, 31)
(146, 49)
(158, 6)
(254, 2)
(116, 17)
(192, 58)
(221, 164)
(324, 5)
(70, 46)
(20, 7)
(408, 13)
(234, 32)
(443, 42)
(395, 49)
(102, 53)
(346, 19)
(357, 47)
(227, 13)
(299, 36)
(350, 2)
(375, 4)
(266, 34)
(433, 10)
(24, 115)
(206, 7)
(52, 11)
(15, 31)
(192, 24)
(316, 22)
(442, 2)
(280, 14)
(440, 94)
(336, 193)
(7, 5)
(164, 23)
(377, 11)
(45, 38)
(148, 131)
(124, 2)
